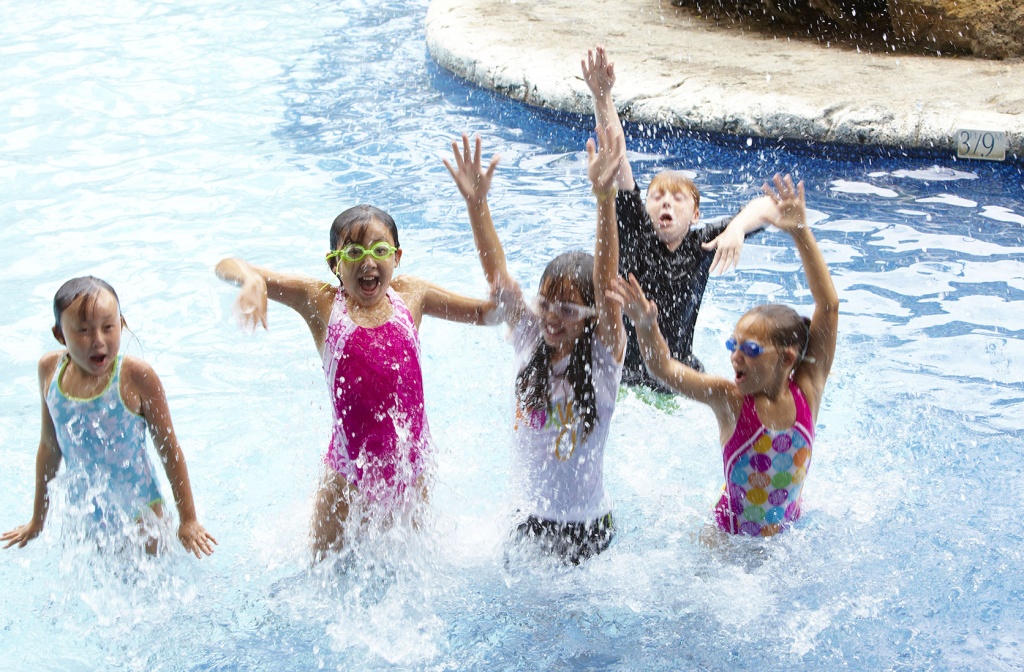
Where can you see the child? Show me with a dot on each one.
(97, 406)
(765, 415)
(569, 343)
(658, 244)
(366, 332)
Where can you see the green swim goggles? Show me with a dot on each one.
(354, 252)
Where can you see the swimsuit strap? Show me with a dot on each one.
(804, 419)
(114, 382)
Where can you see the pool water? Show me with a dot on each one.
(141, 142)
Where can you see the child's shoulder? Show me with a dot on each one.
(406, 283)
(51, 358)
(48, 364)
(137, 372)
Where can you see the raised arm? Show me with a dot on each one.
(813, 371)
(599, 74)
(309, 297)
(142, 380)
(48, 459)
(603, 165)
(473, 182)
(715, 391)
(755, 215)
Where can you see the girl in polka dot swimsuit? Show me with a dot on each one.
(765, 414)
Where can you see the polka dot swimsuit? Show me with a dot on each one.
(765, 471)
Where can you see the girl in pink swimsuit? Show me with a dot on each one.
(366, 334)
(766, 413)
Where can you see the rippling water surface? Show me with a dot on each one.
(141, 142)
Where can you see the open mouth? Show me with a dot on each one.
(98, 359)
(369, 285)
(553, 334)
(665, 220)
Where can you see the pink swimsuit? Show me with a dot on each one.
(380, 425)
(765, 471)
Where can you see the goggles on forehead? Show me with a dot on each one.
(566, 311)
(354, 252)
(748, 348)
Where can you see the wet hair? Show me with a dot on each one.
(351, 225)
(789, 328)
(87, 287)
(568, 270)
(673, 181)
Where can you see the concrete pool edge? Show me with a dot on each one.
(675, 69)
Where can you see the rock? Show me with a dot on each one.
(987, 28)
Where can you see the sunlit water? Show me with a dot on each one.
(141, 142)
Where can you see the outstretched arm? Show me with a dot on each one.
(309, 297)
(423, 297)
(155, 410)
(599, 74)
(474, 182)
(813, 371)
(755, 215)
(712, 390)
(603, 166)
(48, 459)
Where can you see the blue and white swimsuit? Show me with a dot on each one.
(104, 444)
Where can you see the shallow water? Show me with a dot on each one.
(143, 141)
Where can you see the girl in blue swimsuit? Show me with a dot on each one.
(97, 406)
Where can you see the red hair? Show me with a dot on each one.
(674, 181)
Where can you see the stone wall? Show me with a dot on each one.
(985, 28)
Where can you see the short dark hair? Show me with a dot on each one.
(87, 286)
(350, 225)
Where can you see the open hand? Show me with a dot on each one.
(727, 246)
(472, 180)
(251, 305)
(598, 72)
(21, 535)
(630, 297)
(195, 538)
(789, 201)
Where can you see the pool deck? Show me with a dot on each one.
(674, 67)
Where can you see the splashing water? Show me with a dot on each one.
(144, 141)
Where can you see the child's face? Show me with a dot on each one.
(559, 333)
(766, 371)
(672, 212)
(368, 279)
(93, 338)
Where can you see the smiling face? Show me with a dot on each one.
(560, 334)
(368, 279)
(90, 328)
(673, 205)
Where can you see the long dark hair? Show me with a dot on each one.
(87, 286)
(533, 389)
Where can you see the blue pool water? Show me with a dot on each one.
(142, 141)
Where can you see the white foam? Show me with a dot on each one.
(949, 199)
(1001, 214)
(935, 174)
(848, 187)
